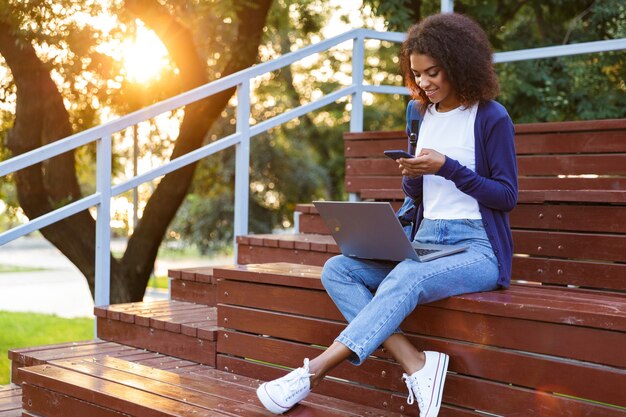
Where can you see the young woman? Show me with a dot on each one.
(464, 179)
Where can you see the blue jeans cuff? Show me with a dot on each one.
(356, 358)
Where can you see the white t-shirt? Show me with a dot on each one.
(452, 134)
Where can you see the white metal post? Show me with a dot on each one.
(447, 6)
(135, 172)
(358, 57)
(242, 158)
(103, 222)
(356, 114)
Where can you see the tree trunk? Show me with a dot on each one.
(52, 184)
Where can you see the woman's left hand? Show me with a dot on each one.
(429, 161)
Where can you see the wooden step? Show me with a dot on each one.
(177, 328)
(309, 220)
(114, 387)
(306, 249)
(283, 308)
(89, 349)
(194, 285)
(10, 400)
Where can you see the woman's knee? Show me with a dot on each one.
(333, 271)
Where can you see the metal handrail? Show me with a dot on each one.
(102, 135)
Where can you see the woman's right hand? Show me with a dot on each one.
(428, 161)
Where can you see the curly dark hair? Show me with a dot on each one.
(459, 46)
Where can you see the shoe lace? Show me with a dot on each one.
(295, 379)
(414, 391)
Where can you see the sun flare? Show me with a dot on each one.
(144, 57)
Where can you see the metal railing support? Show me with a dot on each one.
(242, 162)
(447, 6)
(358, 56)
(103, 223)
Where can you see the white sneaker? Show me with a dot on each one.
(283, 393)
(426, 385)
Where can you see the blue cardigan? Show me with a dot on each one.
(493, 185)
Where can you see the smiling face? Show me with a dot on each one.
(433, 80)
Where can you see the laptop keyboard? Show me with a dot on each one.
(422, 252)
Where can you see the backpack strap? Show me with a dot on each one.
(414, 122)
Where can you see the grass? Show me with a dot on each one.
(158, 282)
(29, 329)
(13, 268)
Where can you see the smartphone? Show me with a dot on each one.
(397, 154)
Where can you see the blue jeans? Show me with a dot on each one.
(376, 296)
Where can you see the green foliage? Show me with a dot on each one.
(580, 87)
(29, 329)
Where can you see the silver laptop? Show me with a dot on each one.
(371, 230)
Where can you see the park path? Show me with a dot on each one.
(59, 287)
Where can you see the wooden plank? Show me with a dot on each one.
(53, 404)
(580, 343)
(218, 384)
(249, 254)
(193, 292)
(106, 348)
(371, 183)
(312, 223)
(580, 125)
(279, 273)
(312, 303)
(192, 390)
(589, 274)
(572, 142)
(548, 373)
(590, 218)
(585, 308)
(572, 196)
(116, 396)
(20, 355)
(524, 196)
(600, 164)
(544, 306)
(40, 355)
(517, 401)
(360, 394)
(471, 392)
(377, 165)
(375, 134)
(554, 183)
(201, 391)
(382, 194)
(162, 341)
(202, 274)
(305, 208)
(10, 400)
(356, 183)
(143, 312)
(113, 311)
(377, 372)
(575, 342)
(588, 246)
(174, 320)
(350, 408)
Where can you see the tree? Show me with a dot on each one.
(299, 161)
(41, 118)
